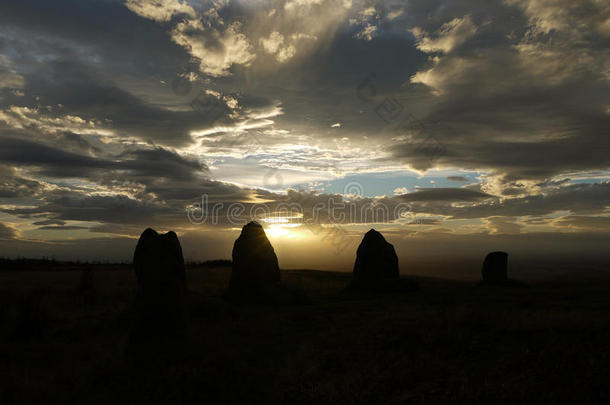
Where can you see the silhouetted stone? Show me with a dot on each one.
(255, 273)
(495, 268)
(161, 298)
(376, 266)
(376, 260)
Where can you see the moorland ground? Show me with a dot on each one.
(544, 341)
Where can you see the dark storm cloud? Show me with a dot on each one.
(115, 209)
(61, 228)
(425, 221)
(160, 162)
(524, 138)
(512, 95)
(154, 163)
(50, 222)
(577, 198)
(215, 190)
(159, 171)
(457, 178)
(106, 28)
(54, 162)
(445, 194)
(80, 142)
(83, 94)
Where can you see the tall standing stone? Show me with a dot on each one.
(255, 265)
(161, 298)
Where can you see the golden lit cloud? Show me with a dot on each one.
(160, 10)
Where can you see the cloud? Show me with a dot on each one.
(583, 223)
(366, 20)
(295, 5)
(559, 15)
(445, 194)
(502, 225)
(275, 45)
(107, 111)
(50, 222)
(160, 10)
(448, 37)
(10, 80)
(51, 161)
(508, 94)
(367, 33)
(61, 228)
(575, 198)
(21, 117)
(103, 208)
(216, 48)
(13, 185)
(160, 162)
(425, 221)
(137, 171)
(8, 231)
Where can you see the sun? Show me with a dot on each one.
(276, 231)
(283, 225)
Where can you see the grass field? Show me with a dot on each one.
(64, 334)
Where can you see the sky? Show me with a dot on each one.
(454, 128)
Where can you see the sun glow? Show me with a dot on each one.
(284, 231)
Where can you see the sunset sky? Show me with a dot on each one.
(474, 124)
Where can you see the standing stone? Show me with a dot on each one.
(161, 298)
(255, 266)
(376, 261)
(495, 268)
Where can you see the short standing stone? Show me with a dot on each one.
(495, 267)
(255, 265)
(376, 261)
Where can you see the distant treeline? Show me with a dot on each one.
(210, 263)
(24, 263)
